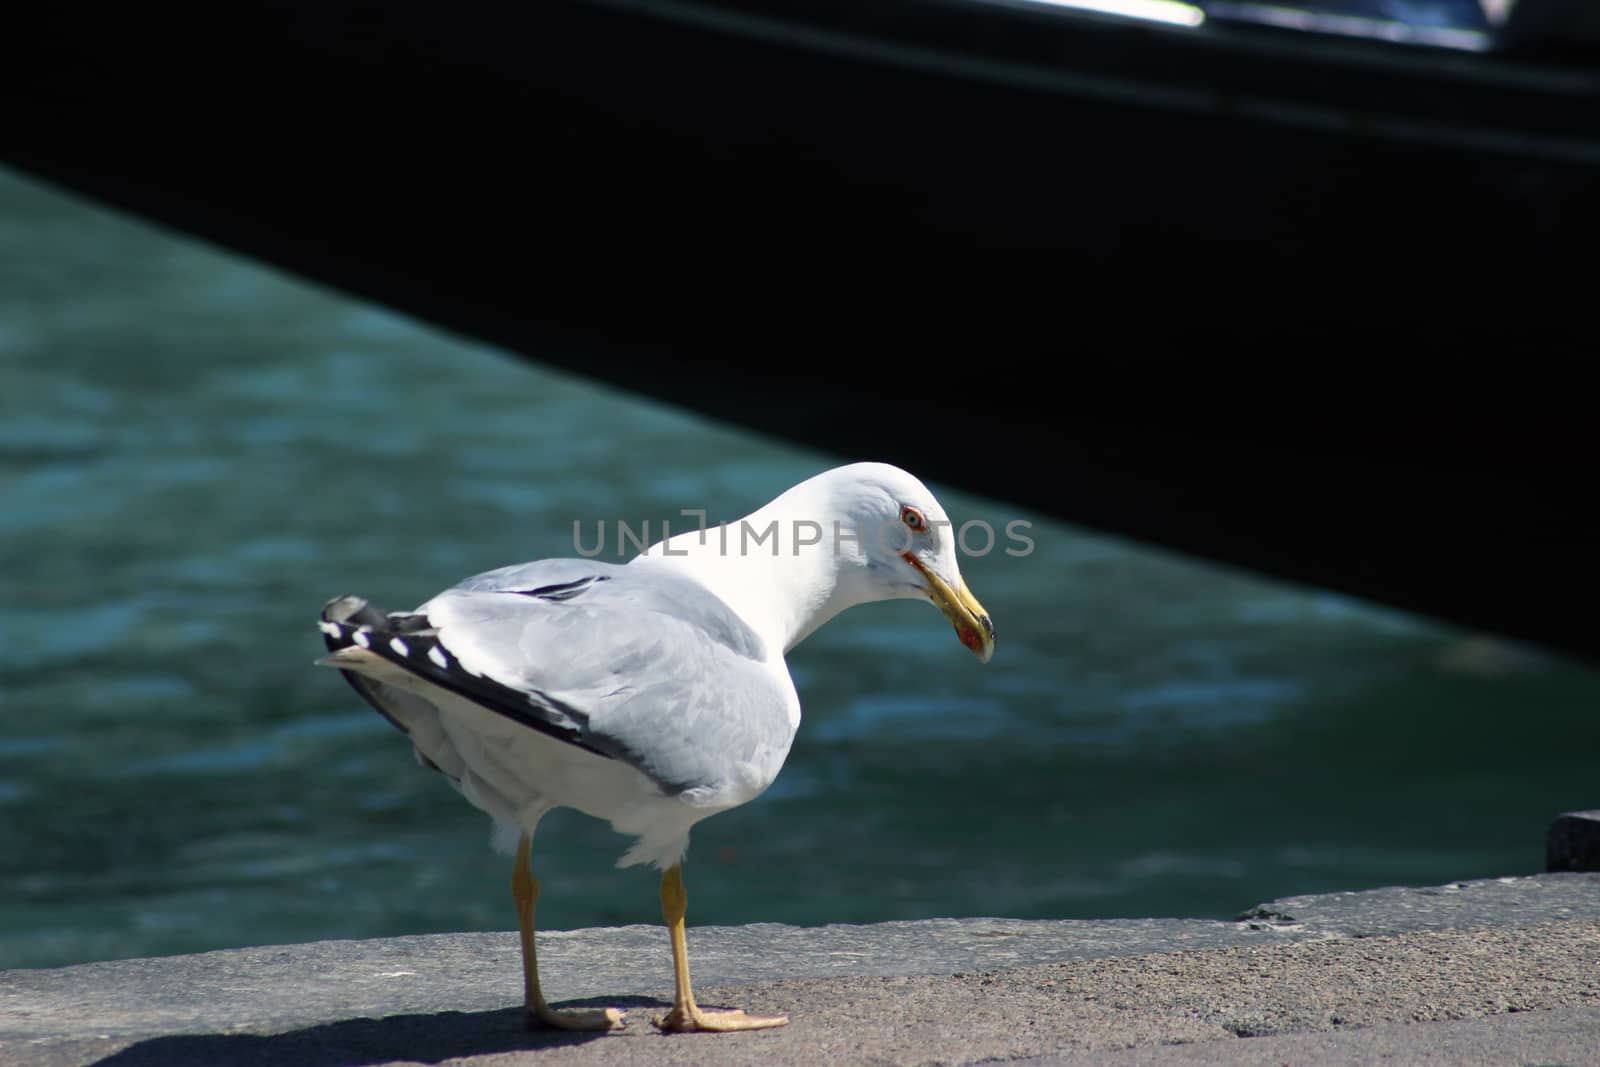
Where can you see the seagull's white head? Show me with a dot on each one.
(850, 535)
(894, 540)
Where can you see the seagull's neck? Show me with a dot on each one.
(783, 568)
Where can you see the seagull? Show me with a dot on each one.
(652, 693)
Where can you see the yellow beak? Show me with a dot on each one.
(962, 609)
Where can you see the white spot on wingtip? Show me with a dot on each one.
(437, 655)
(362, 639)
(399, 646)
(329, 628)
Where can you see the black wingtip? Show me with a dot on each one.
(353, 610)
(341, 616)
(407, 640)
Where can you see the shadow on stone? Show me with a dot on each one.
(362, 1042)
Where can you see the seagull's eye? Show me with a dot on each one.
(913, 518)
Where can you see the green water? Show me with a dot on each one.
(196, 452)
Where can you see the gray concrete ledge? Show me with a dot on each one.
(1511, 959)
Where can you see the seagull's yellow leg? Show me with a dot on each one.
(686, 1015)
(525, 891)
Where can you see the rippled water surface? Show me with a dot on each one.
(195, 452)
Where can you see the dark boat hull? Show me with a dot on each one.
(1012, 250)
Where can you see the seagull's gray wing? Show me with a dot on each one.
(635, 663)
